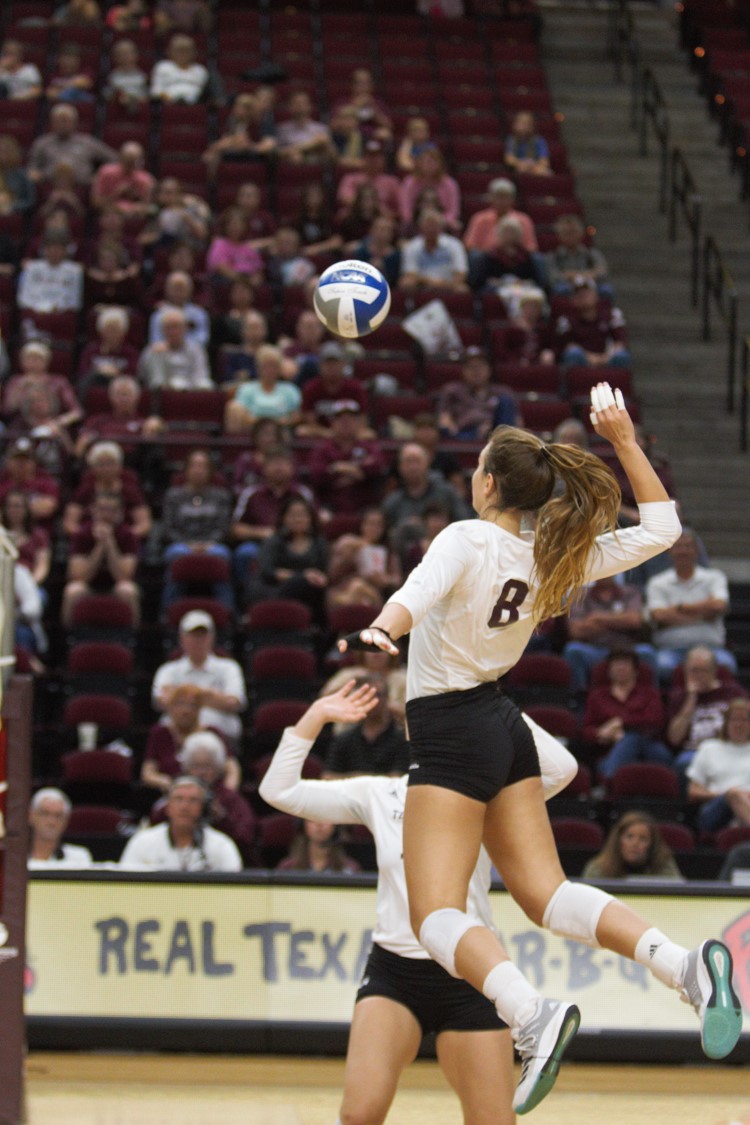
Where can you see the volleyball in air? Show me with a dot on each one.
(352, 299)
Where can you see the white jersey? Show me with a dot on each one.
(471, 598)
(378, 802)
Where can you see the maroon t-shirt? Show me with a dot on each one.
(642, 711)
(354, 495)
(84, 542)
(708, 716)
(130, 493)
(106, 427)
(40, 484)
(38, 541)
(608, 326)
(258, 506)
(163, 749)
(319, 398)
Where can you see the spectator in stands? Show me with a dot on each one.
(30, 540)
(379, 248)
(267, 436)
(525, 150)
(415, 141)
(267, 396)
(113, 277)
(51, 283)
(318, 847)
(301, 139)
(219, 677)
(404, 507)
(314, 222)
(376, 745)
(49, 814)
(260, 223)
(180, 217)
(572, 259)
(481, 232)
(467, 407)
(347, 471)
(229, 327)
(38, 418)
(174, 361)
(591, 334)
(179, 77)
(70, 81)
(354, 220)
(131, 15)
(106, 476)
(441, 460)
(634, 848)
(363, 569)
(248, 134)
(435, 517)
(163, 760)
(34, 359)
(286, 265)
(17, 192)
(195, 520)
(348, 139)
(125, 184)
(526, 338)
(78, 13)
(127, 84)
(178, 294)
(719, 774)
(19, 80)
(182, 15)
(260, 502)
(122, 423)
(607, 617)
(238, 364)
(434, 259)
(293, 562)
(301, 352)
(110, 355)
(373, 117)
(329, 387)
(65, 144)
(624, 718)
(736, 866)
(184, 842)
(21, 472)
(687, 605)
(508, 263)
(695, 710)
(231, 254)
(373, 172)
(430, 172)
(103, 558)
(204, 755)
(29, 607)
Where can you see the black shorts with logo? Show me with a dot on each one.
(474, 742)
(438, 1001)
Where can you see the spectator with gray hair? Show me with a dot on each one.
(110, 355)
(204, 755)
(481, 231)
(34, 359)
(178, 294)
(174, 361)
(49, 814)
(106, 473)
(64, 144)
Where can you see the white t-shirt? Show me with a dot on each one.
(472, 597)
(152, 850)
(667, 589)
(719, 765)
(46, 288)
(184, 84)
(219, 673)
(378, 802)
(73, 857)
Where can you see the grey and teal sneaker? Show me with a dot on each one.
(708, 987)
(541, 1042)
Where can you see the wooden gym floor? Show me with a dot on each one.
(121, 1089)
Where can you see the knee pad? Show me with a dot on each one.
(574, 912)
(440, 934)
(557, 764)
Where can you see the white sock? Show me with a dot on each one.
(511, 993)
(663, 957)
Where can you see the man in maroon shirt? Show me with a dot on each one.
(122, 423)
(21, 473)
(331, 386)
(696, 710)
(258, 507)
(347, 471)
(593, 333)
(103, 559)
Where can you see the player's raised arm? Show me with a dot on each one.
(611, 420)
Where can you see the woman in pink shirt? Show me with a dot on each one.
(231, 254)
(429, 171)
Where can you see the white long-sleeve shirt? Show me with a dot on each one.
(378, 803)
(471, 598)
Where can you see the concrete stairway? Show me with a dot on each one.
(680, 379)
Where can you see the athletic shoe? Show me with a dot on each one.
(708, 987)
(541, 1043)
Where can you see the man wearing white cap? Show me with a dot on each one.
(219, 677)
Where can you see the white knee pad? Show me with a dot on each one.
(440, 934)
(557, 764)
(574, 912)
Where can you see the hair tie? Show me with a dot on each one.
(546, 454)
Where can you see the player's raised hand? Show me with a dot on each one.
(350, 704)
(368, 640)
(609, 417)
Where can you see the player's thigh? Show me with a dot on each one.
(384, 1038)
(518, 837)
(442, 834)
(479, 1067)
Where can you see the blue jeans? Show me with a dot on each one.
(575, 356)
(582, 657)
(222, 591)
(714, 814)
(243, 562)
(634, 747)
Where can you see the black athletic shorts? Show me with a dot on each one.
(474, 742)
(438, 1001)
